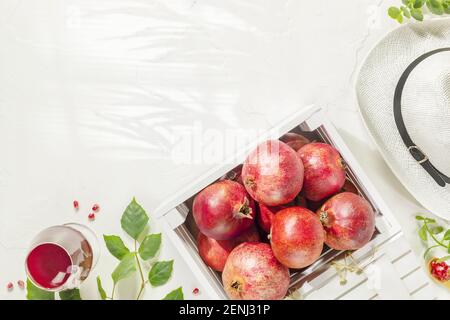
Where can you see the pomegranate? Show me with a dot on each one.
(253, 273)
(266, 215)
(348, 220)
(223, 210)
(273, 173)
(215, 252)
(297, 237)
(349, 187)
(324, 171)
(294, 140)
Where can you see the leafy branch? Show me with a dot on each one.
(430, 229)
(134, 222)
(415, 9)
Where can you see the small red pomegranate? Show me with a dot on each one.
(324, 171)
(215, 252)
(223, 210)
(273, 173)
(253, 273)
(297, 237)
(266, 214)
(348, 220)
(349, 187)
(294, 140)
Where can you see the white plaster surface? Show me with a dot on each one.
(92, 94)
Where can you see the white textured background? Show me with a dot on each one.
(91, 91)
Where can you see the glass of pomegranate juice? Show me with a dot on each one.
(61, 257)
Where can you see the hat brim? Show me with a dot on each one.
(375, 87)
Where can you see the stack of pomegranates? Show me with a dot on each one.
(257, 227)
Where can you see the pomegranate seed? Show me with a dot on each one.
(195, 291)
(9, 286)
(95, 207)
(91, 216)
(76, 205)
(440, 270)
(21, 284)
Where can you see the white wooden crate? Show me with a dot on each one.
(387, 255)
(393, 272)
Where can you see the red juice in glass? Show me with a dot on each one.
(61, 257)
(47, 264)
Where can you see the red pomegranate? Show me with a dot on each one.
(348, 220)
(266, 214)
(324, 171)
(223, 210)
(349, 186)
(253, 273)
(273, 173)
(294, 140)
(297, 237)
(215, 252)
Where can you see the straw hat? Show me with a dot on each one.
(403, 90)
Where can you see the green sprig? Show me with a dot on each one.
(415, 9)
(429, 230)
(134, 222)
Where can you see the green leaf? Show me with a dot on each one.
(70, 294)
(100, 288)
(394, 12)
(134, 219)
(400, 18)
(428, 220)
(436, 230)
(35, 293)
(176, 294)
(446, 235)
(446, 6)
(125, 268)
(420, 218)
(150, 246)
(405, 11)
(160, 273)
(116, 246)
(435, 6)
(423, 233)
(418, 4)
(417, 14)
